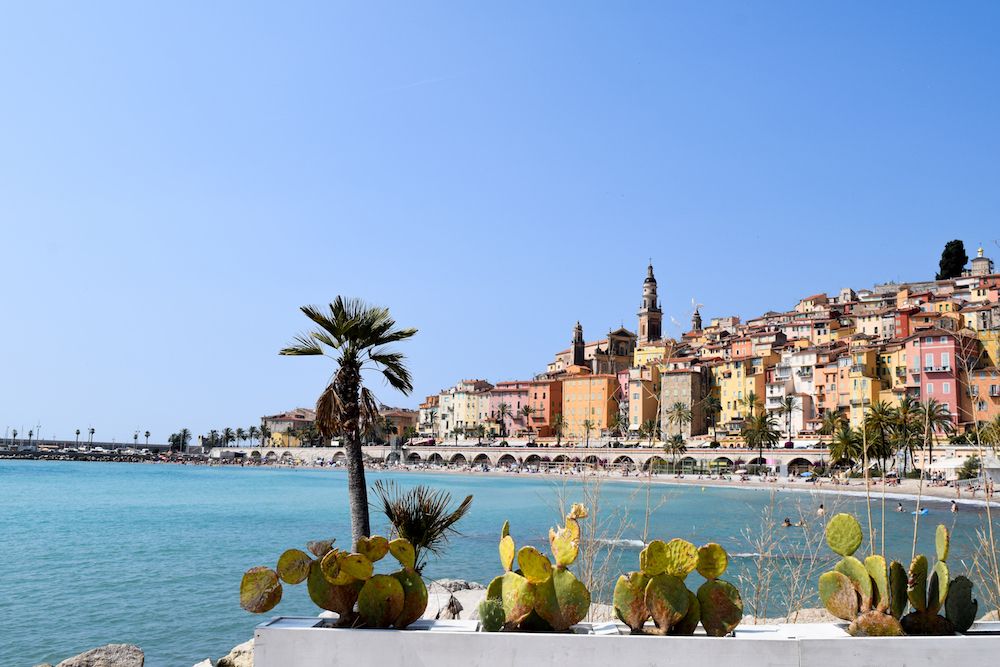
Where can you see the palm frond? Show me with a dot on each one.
(329, 412)
(370, 417)
(421, 515)
(303, 345)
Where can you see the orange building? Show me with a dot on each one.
(589, 397)
(545, 398)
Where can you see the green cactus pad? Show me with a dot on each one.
(355, 565)
(653, 559)
(507, 552)
(937, 587)
(518, 597)
(688, 624)
(960, 608)
(875, 565)
(838, 595)
(630, 600)
(916, 585)
(491, 616)
(330, 566)
(404, 552)
(319, 548)
(843, 534)
(414, 597)
(667, 601)
(535, 567)
(495, 590)
(338, 598)
(712, 561)
(505, 530)
(373, 548)
(562, 600)
(897, 589)
(682, 557)
(260, 590)
(942, 540)
(875, 624)
(923, 623)
(380, 601)
(565, 544)
(293, 566)
(856, 572)
(721, 607)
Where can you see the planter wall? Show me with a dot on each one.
(303, 642)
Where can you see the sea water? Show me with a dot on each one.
(95, 553)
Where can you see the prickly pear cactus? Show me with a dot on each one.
(719, 601)
(667, 601)
(931, 590)
(491, 616)
(630, 600)
(961, 608)
(843, 534)
(340, 580)
(540, 595)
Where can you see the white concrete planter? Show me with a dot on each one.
(305, 642)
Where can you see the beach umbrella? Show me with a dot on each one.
(806, 474)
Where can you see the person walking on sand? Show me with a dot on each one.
(821, 511)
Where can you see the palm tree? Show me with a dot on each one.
(213, 438)
(15, 437)
(241, 435)
(147, 434)
(789, 404)
(480, 433)
(77, 436)
(878, 422)
(265, 434)
(648, 429)
(588, 426)
(357, 334)
(228, 436)
(253, 433)
(503, 411)
(30, 434)
(184, 438)
(679, 413)
(906, 427)
(615, 425)
(135, 439)
(750, 401)
(526, 412)
(713, 407)
(832, 421)
(410, 432)
(936, 418)
(846, 445)
(456, 432)
(558, 424)
(673, 446)
(91, 435)
(761, 431)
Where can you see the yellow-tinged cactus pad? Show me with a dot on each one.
(937, 587)
(838, 595)
(380, 601)
(495, 590)
(630, 600)
(721, 607)
(942, 540)
(518, 597)
(260, 590)
(855, 570)
(403, 551)
(373, 548)
(876, 567)
(916, 587)
(562, 600)
(330, 568)
(414, 597)
(843, 534)
(507, 552)
(712, 561)
(356, 565)
(577, 511)
(505, 530)
(338, 598)
(293, 566)
(681, 557)
(667, 601)
(535, 567)
(875, 624)
(653, 559)
(564, 546)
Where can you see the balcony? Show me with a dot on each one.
(858, 368)
(900, 371)
(937, 369)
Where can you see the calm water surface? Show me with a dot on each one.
(153, 554)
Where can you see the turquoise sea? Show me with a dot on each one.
(153, 554)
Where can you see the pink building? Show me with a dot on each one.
(516, 395)
(933, 361)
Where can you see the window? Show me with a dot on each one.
(946, 387)
(945, 360)
(928, 359)
(944, 339)
(930, 387)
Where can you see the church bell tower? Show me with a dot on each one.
(650, 315)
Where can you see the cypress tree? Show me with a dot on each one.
(953, 260)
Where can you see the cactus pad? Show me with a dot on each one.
(630, 600)
(653, 559)
(373, 548)
(924, 623)
(721, 607)
(875, 565)
(577, 511)
(688, 624)
(338, 598)
(260, 590)
(960, 608)
(897, 589)
(838, 595)
(562, 600)
(495, 590)
(916, 585)
(319, 548)
(330, 567)
(535, 567)
(414, 597)
(942, 540)
(380, 601)
(937, 587)
(666, 600)
(565, 543)
(293, 566)
(843, 534)
(491, 616)
(712, 561)
(507, 552)
(856, 572)
(404, 552)
(355, 565)
(518, 597)
(682, 557)
(875, 624)
(505, 529)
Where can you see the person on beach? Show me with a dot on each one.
(821, 511)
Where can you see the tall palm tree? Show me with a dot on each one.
(213, 438)
(357, 335)
(674, 445)
(15, 436)
(558, 424)
(846, 445)
(761, 431)
(906, 428)
(832, 421)
(936, 418)
(91, 435)
(30, 434)
(878, 422)
(184, 438)
(147, 434)
(526, 412)
(679, 413)
(750, 401)
(480, 433)
(228, 435)
(713, 407)
(241, 435)
(789, 404)
(503, 411)
(615, 425)
(648, 429)
(77, 436)
(135, 439)
(410, 432)
(253, 433)
(265, 434)
(588, 426)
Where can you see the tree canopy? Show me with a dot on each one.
(953, 260)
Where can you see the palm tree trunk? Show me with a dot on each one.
(348, 386)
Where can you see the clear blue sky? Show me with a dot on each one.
(176, 179)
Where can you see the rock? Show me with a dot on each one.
(204, 663)
(466, 596)
(240, 656)
(455, 585)
(110, 655)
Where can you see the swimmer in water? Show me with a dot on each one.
(821, 511)
(899, 507)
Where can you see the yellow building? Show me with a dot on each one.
(643, 396)
(863, 383)
(734, 381)
(891, 371)
(592, 398)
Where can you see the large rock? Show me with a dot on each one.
(240, 656)
(111, 655)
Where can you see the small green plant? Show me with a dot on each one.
(339, 581)
(539, 595)
(874, 597)
(657, 591)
